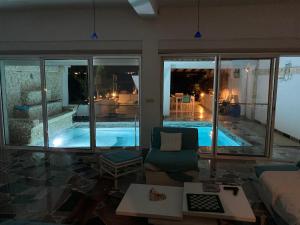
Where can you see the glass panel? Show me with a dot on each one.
(243, 104)
(287, 122)
(188, 96)
(67, 103)
(22, 107)
(116, 101)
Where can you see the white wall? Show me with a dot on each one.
(228, 28)
(262, 91)
(287, 117)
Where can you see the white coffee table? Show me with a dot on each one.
(136, 202)
(173, 210)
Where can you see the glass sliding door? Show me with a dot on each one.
(22, 102)
(67, 103)
(243, 106)
(188, 96)
(116, 101)
(286, 136)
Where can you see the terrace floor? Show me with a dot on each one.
(284, 148)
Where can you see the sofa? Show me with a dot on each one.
(172, 167)
(259, 169)
(279, 188)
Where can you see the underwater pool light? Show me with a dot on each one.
(57, 142)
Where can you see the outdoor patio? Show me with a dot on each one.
(251, 131)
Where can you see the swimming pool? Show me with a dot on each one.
(114, 136)
(225, 137)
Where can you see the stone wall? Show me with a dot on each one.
(23, 85)
(54, 81)
(18, 81)
(23, 101)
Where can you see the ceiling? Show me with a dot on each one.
(15, 4)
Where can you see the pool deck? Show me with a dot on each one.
(284, 148)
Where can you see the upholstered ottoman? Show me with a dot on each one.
(118, 163)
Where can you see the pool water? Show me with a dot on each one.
(105, 137)
(204, 138)
(79, 136)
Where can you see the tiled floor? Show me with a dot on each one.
(66, 188)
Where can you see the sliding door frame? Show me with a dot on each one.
(92, 119)
(116, 56)
(3, 113)
(216, 58)
(219, 57)
(44, 102)
(273, 82)
(41, 58)
(62, 58)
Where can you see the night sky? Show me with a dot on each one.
(183, 81)
(78, 80)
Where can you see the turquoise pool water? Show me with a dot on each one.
(79, 136)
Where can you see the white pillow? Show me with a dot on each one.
(170, 141)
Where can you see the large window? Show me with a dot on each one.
(22, 102)
(116, 101)
(71, 103)
(241, 112)
(286, 138)
(67, 103)
(243, 106)
(188, 96)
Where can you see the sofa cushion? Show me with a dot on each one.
(170, 141)
(274, 167)
(287, 206)
(282, 188)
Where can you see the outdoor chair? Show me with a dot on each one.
(188, 103)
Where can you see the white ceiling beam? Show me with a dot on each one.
(144, 8)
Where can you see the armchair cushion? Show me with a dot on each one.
(179, 161)
(189, 137)
(170, 141)
(260, 169)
